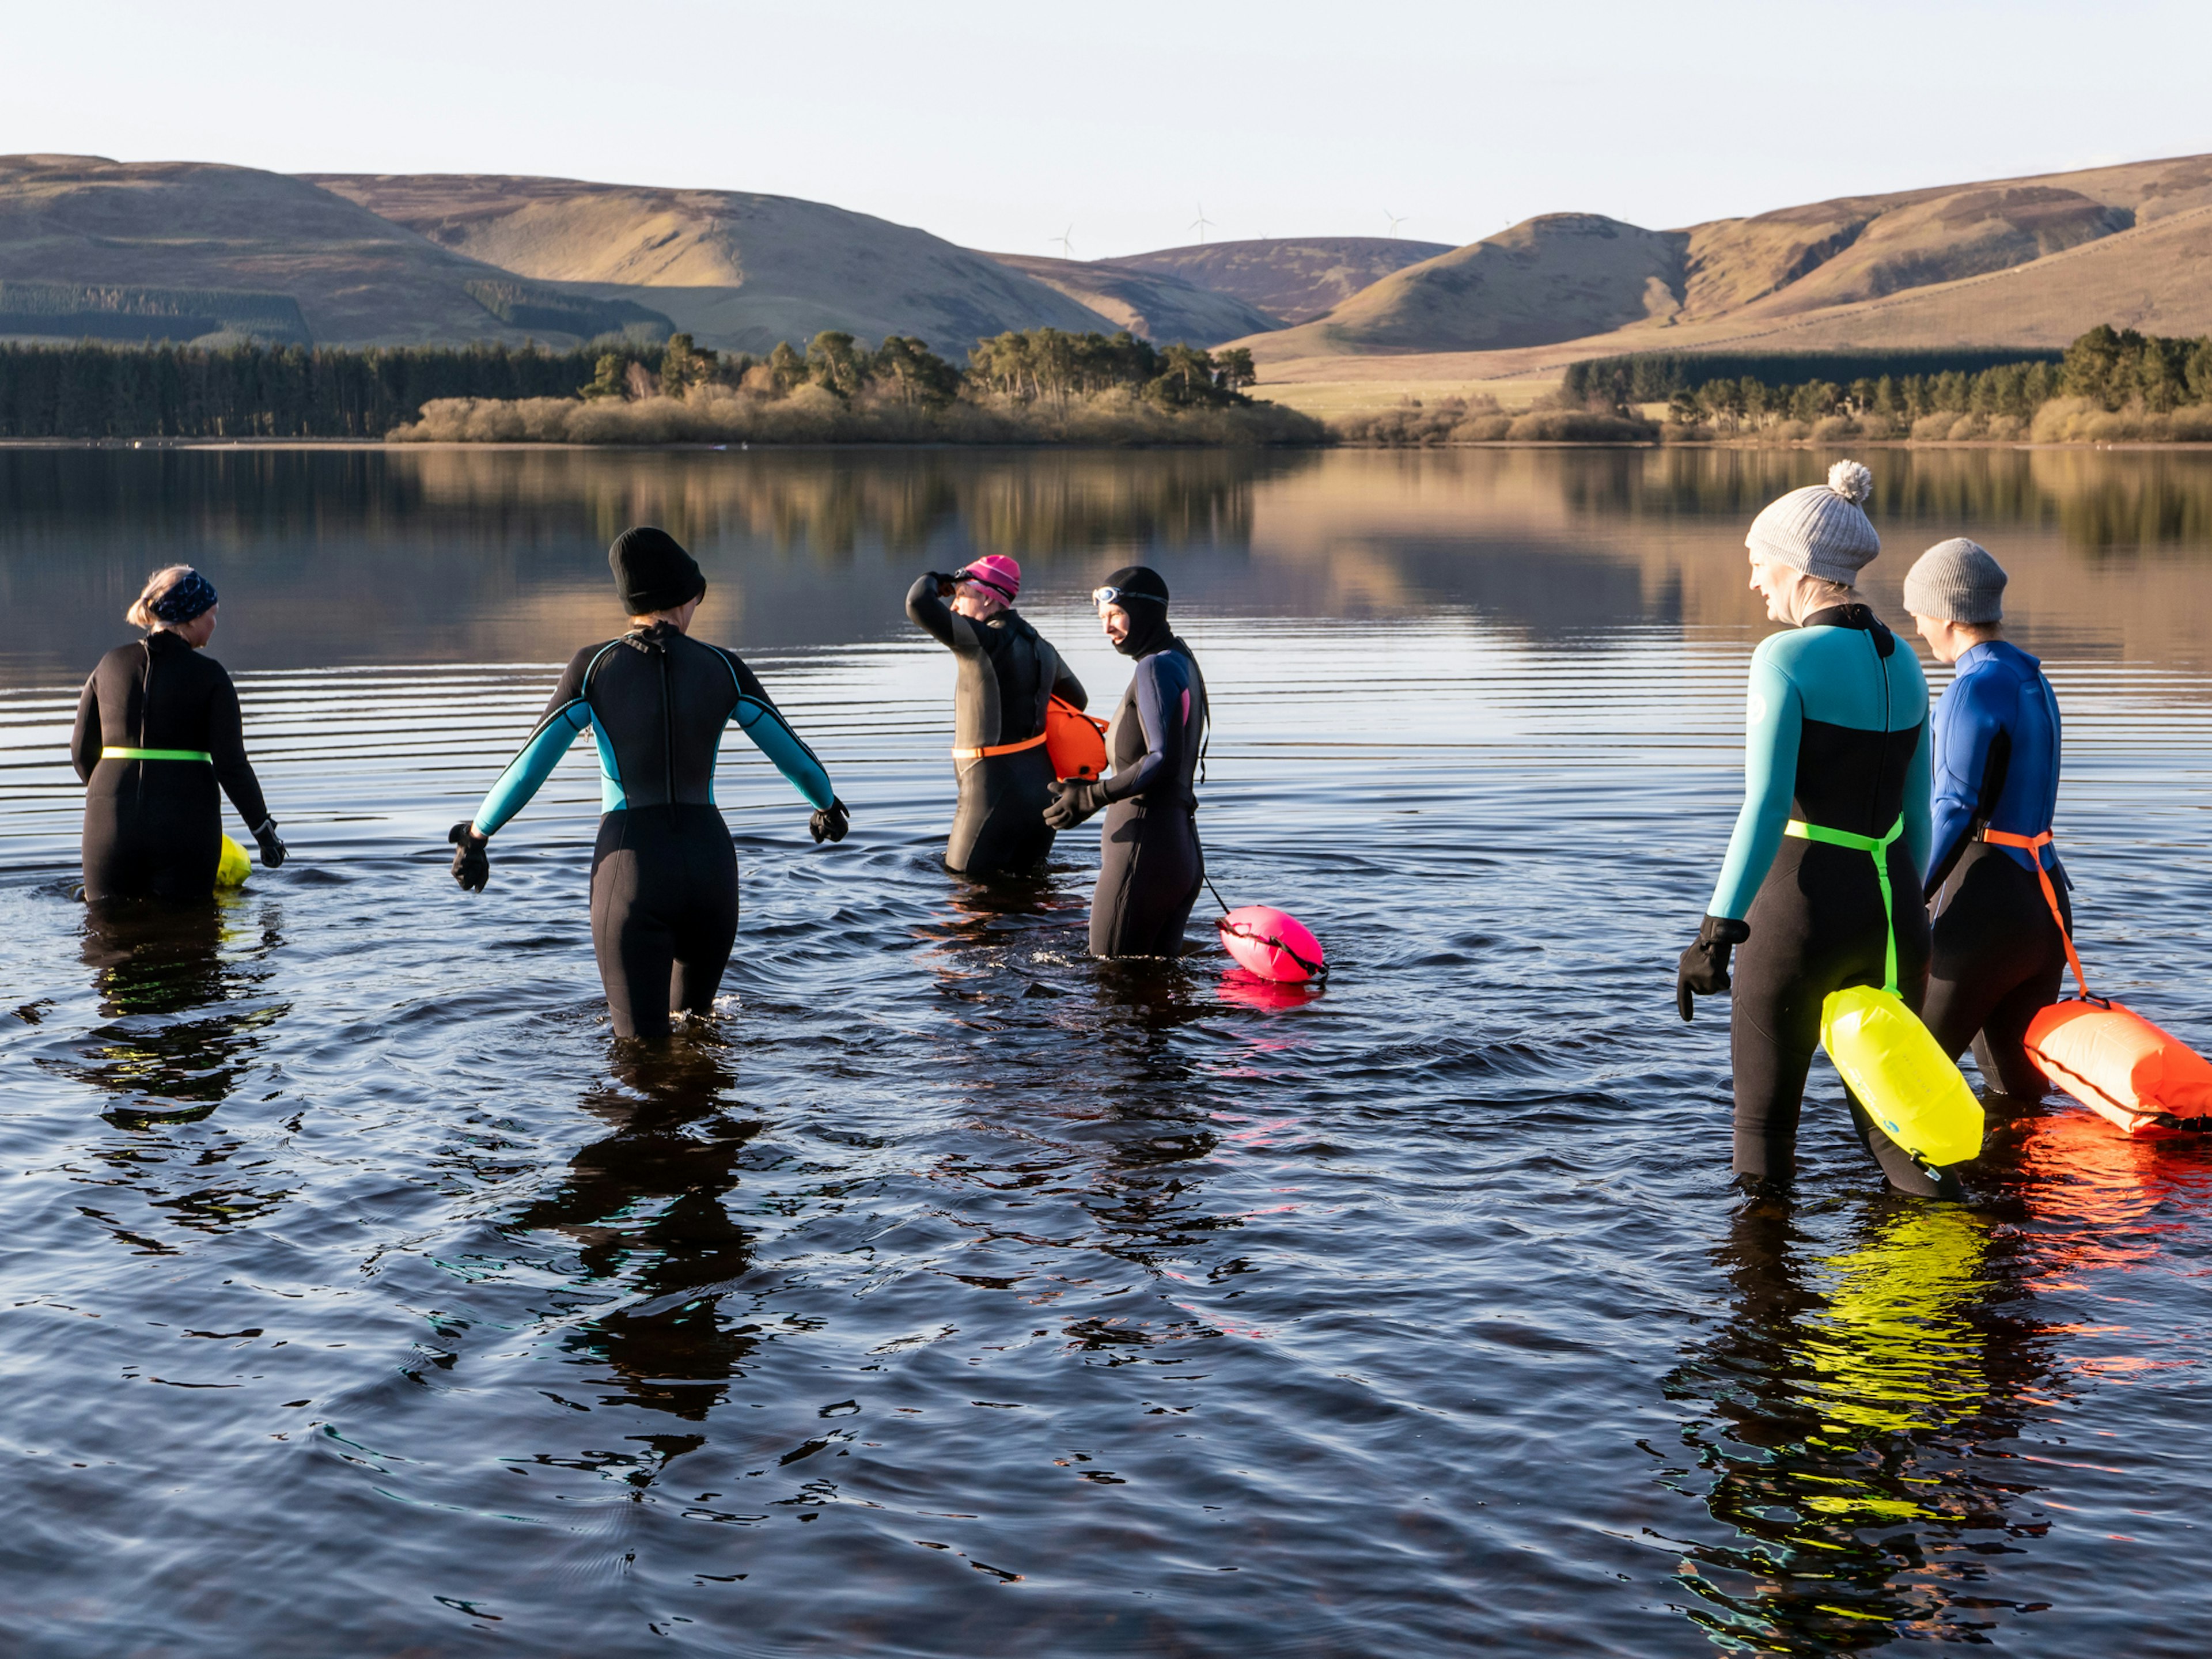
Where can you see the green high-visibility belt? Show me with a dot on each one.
(157, 754)
(1878, 848)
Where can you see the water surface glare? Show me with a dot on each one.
(948, 1293)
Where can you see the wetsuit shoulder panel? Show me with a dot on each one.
(1999, 700)
(1163, 694)
(1774, 720)
(759, 718)
(567, 714)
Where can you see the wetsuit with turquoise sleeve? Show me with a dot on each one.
(664, 872)
(1838, 737)
(1151, 867)
(1008, 674)
(1999, 956)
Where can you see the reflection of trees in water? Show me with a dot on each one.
(1032, 504)
(645, 1205)
(1846, 1402)
(2097, 499)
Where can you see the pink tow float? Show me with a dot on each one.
(1273, 945)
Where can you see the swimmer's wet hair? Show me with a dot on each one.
(141, 613)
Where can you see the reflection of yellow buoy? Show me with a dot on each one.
(1901, 1076)
(231, 870)
(1895, 1350)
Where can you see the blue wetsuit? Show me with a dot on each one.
(1999, 956)
(1151, 867)
(663, 872)
(1836, 737)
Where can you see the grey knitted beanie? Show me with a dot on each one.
(1956, 581)
(1821, 529)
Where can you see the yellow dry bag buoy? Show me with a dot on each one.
(231, 868)
(1901, 1075)
(1898, 1072)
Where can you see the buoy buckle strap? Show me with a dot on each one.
(998, 749)
(115, 752)
(2035, 844)
(1877, 847)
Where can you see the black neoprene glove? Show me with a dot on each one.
(471, 857)
(830, 822)
(272, 850)
(1704, 968)
(1074, 799)
(947, 585)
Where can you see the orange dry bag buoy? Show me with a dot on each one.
(2110, 1059)
(2120, 1065)
(1076, 742)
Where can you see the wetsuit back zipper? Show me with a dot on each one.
(667, 737)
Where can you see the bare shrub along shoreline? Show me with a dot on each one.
(1041, 386)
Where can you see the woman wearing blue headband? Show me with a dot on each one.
(157, 730)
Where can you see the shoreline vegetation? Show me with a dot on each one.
(2109, 387)
(1047, 387)
(1038, 386)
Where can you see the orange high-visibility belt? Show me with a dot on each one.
(2035, 844)
(998, 749)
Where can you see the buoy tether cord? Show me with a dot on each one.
(2034, 844)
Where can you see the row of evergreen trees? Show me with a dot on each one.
(2114, 368)
(95, 391)
(168, 390)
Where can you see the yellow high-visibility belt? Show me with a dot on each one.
(157, 754)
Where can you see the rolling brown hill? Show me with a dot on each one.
(1290, 279)
(172, 226)
(739, 271)
(2011, 262)
(1151, 305)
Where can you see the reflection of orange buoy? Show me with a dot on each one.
(2120, 1065)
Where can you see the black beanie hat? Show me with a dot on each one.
(653, 572)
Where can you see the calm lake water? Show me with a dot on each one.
(949, 1294)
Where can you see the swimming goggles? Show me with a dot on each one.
(1103, 597)
(976, 577)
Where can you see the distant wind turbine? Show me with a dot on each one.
(1066, 247)
(1201, 224)
(1395, 219)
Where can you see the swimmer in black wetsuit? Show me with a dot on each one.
(1835, 777)
(1008, 674)
(1999, 952)
(1150, 866)
(663, 872)
(157, 730)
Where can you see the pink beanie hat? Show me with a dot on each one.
(997, 571)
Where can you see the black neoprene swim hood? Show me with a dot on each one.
(1143, 593)
(653, 572)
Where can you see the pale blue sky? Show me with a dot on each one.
(997, 124)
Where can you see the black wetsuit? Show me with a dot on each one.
(1008, 672)
(153, 828)
(1838, 737)
(1151, 867)
(663, 872)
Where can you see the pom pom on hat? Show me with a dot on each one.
(1821, 529)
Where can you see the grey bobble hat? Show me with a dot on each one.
(1822, 529)
(1956, 581)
